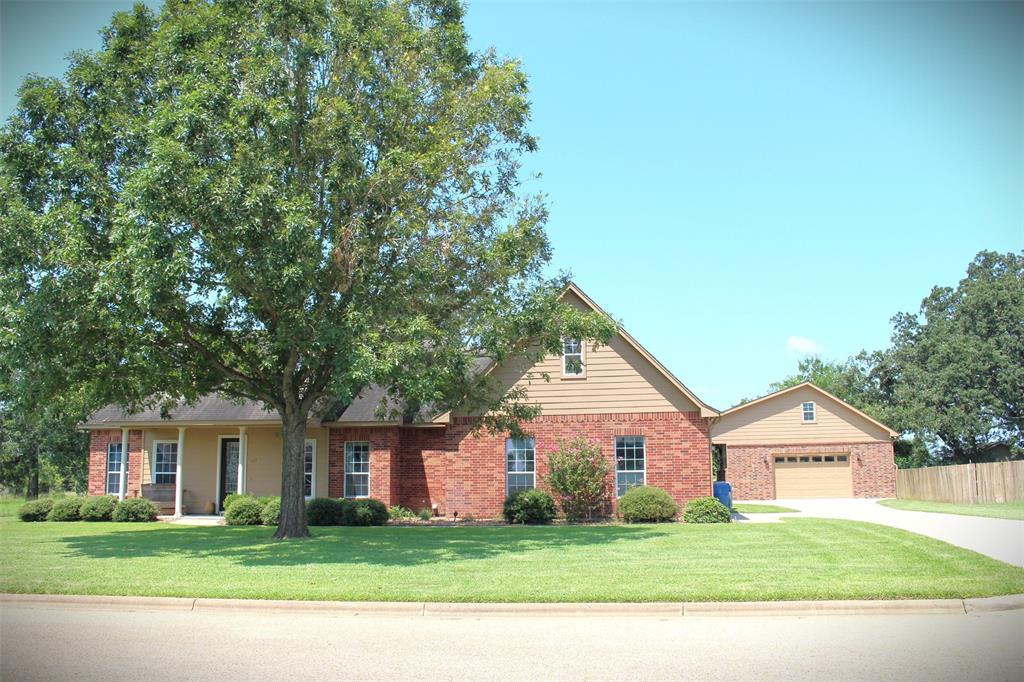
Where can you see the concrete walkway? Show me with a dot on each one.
(1001, 539)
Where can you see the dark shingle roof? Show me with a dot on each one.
(210, 408)
(213, 408)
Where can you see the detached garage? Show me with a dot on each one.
(803, 442)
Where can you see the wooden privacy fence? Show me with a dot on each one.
(963, 483)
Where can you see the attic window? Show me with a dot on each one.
(808, 413)
(572, 357)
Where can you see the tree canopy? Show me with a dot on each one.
(285, 201)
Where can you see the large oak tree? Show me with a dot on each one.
(284, 201)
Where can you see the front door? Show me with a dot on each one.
(228, 468)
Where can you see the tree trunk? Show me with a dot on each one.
(293, 502)
(33, 473)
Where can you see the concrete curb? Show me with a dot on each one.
(485, 610)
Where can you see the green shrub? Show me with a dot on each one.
(647, 504)
(36, 510)
(529, 506)
(365, 511)
(577, 477)
(271, 514)
(246, 511)
(98, 508)
(425, 514)
(135, 509)
(66, 509)
(397, 513)
(230, 500)
(706, 510)
(323, 511)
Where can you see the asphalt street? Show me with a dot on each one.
(49, 642)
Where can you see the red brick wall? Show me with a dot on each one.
(384, 473)
(750, 467)
(98, 442)
(458, 471)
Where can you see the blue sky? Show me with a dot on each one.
(739, 183)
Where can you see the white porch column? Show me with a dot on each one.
(177, 470)
(242, 449)
(123, 487)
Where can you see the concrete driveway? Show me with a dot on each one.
(1001, 539)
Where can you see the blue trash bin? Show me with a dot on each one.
(723, 492)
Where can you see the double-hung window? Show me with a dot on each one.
(114, 462)
(165, 462)
(808, 412)
(520, 465)
(630, 463)
(357, 469)
(572, 357)
(309, 468)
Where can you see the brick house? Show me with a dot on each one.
(649, 425)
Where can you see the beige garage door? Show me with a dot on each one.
(813, 476)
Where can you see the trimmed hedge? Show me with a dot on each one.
(98, 508)
(323, 511)
(647, 504)
(66, 509)
(134, 509)
(706, 510)
(364, 511)
(530, 507)
(271, 514)
(36, 510)
(230, 500)
(245, 511)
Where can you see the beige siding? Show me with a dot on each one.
(780, 420)
(617, 379)
(199, 470)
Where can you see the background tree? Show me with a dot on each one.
(957, 366)
(283, 201)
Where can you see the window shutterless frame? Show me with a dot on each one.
(520, 464)
(573, 359)
(165, 462)
(630, 463)
(809, 413)
(357, 469)
(115, 460)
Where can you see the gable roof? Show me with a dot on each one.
(808, 384)
(705, 409)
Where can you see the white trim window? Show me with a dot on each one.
(114, 461)
(572, 357)
(808, 413)
(309, 468)
(165, 462)
(520, 465)
(630, 463)
(357, 469)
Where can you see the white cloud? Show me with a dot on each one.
(803, 346)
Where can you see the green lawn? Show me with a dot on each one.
(761, 509)
(797, 559)
(1001, 510)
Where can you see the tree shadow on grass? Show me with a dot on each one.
(387, 546)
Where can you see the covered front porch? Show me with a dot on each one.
(190, 469)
